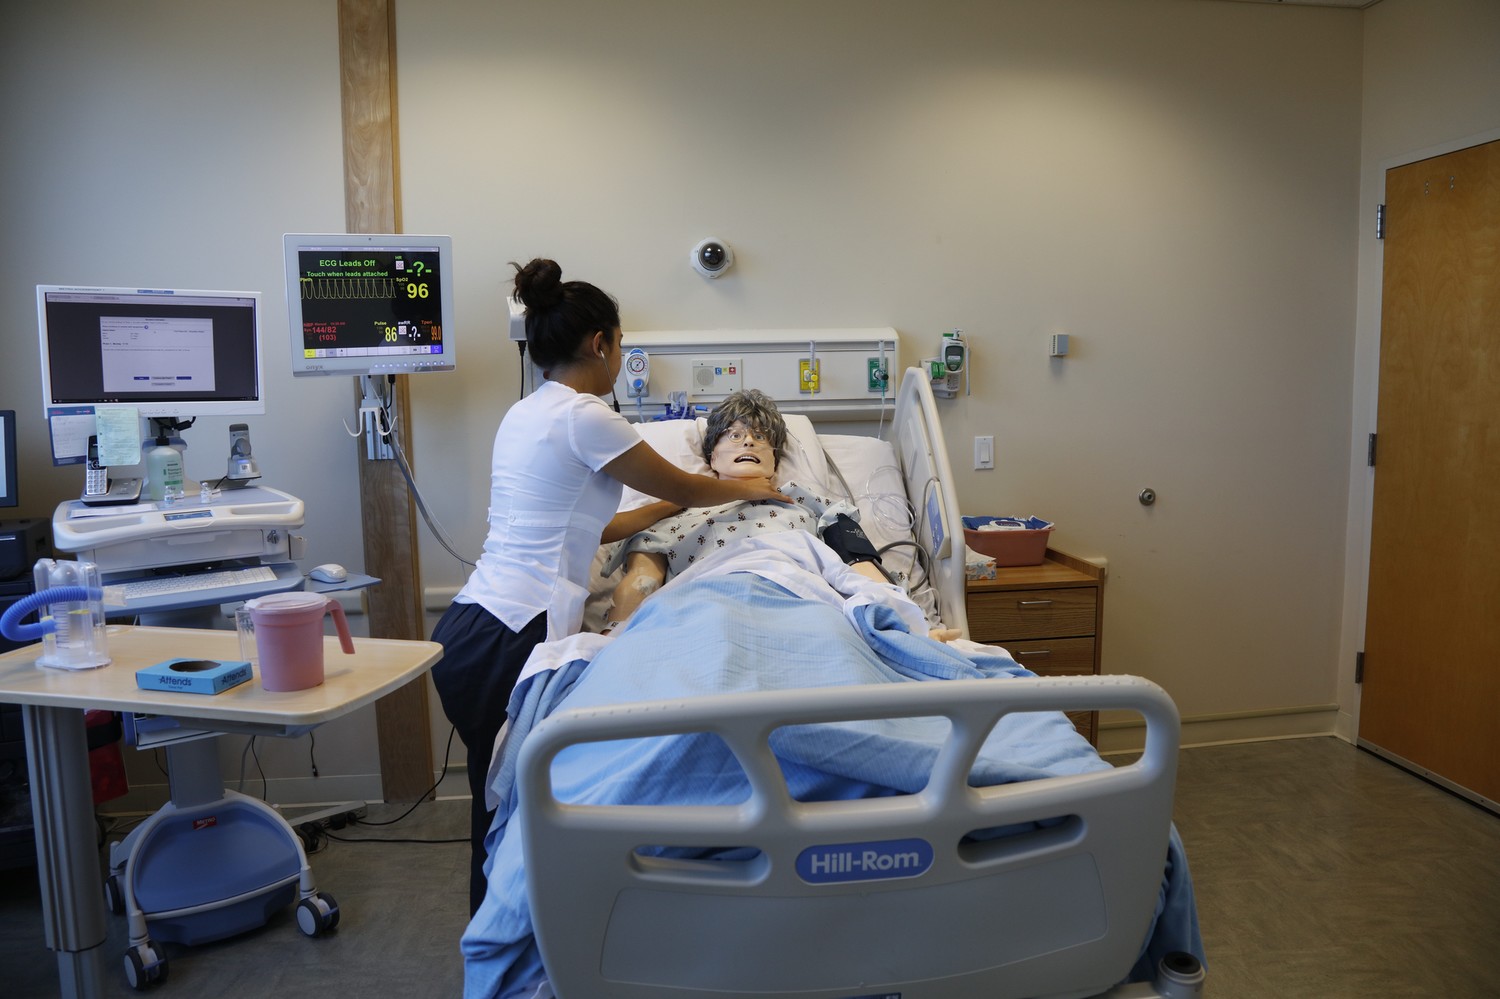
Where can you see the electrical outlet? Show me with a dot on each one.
(808, 375)
(878, 375)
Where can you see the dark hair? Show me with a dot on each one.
(754, 409)
(561, 315)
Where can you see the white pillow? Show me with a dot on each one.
(681, 443)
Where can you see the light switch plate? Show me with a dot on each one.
(984, 451)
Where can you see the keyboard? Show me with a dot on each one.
(160, 586)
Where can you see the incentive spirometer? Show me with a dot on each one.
(70, 601)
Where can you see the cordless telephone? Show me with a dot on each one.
(98, 488)
(96, 476)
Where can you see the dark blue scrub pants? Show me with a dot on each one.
(482, 660)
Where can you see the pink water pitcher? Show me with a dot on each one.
(289, 637)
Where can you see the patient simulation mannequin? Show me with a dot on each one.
(744, 438)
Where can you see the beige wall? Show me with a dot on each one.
(1172, 182)
(1180, 185)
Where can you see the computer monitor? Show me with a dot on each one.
(360, 304)
(8, 495)
(169, 353)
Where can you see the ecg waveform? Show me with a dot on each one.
(349, 288)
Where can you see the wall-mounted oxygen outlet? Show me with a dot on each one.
(878, 374)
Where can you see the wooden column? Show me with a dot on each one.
(372, 203)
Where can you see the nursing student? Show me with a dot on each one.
(560, 461)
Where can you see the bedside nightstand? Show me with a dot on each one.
(1048, 616)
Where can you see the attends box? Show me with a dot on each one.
(194, 676)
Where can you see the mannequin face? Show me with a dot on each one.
(743, 453)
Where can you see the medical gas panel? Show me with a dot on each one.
(838, 374)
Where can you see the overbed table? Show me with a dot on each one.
(53, 703)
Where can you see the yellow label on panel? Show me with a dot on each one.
(807, 375)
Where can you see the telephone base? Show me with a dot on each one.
(120, 491)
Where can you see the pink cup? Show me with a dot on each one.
(289, 637)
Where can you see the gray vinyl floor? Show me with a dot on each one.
(1320, 871)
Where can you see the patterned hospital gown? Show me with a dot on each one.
(693, 534)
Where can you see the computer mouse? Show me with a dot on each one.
(329, 572)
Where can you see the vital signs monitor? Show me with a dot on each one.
(361, 304)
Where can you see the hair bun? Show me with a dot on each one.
(539, 284)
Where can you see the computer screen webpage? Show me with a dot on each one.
(122, 347)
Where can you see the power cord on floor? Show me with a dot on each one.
(320, 831)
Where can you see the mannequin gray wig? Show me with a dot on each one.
(753, 408)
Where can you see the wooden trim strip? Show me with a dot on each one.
(372, 203)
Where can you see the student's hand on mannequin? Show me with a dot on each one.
(760, 489)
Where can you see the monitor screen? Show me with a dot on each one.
(8, 459)
(369, 304)
(169, 353)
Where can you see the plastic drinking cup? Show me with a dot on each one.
(244, 626)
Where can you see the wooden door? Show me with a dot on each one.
(1431, 693)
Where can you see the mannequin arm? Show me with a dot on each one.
(644, 574)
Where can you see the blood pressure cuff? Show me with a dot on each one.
(849, 540)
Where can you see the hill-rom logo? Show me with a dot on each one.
(834, 863)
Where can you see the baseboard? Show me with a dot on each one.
(1127, 734)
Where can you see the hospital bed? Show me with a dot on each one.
(769, 782)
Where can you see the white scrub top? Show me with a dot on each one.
(549, 504)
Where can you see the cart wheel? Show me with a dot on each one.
(317, 914)
(114, 897)
(145, 966)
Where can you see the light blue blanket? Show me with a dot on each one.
(741, 632)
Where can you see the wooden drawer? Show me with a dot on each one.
(1047, 617)
(1003, 616)
(1054, 656)
(1060, 657)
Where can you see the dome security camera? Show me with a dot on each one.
(712, 257)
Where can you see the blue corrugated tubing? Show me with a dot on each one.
(10, 622)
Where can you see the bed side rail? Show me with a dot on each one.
(851, 899)
(917, 435)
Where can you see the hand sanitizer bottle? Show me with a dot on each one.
(163, 470)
